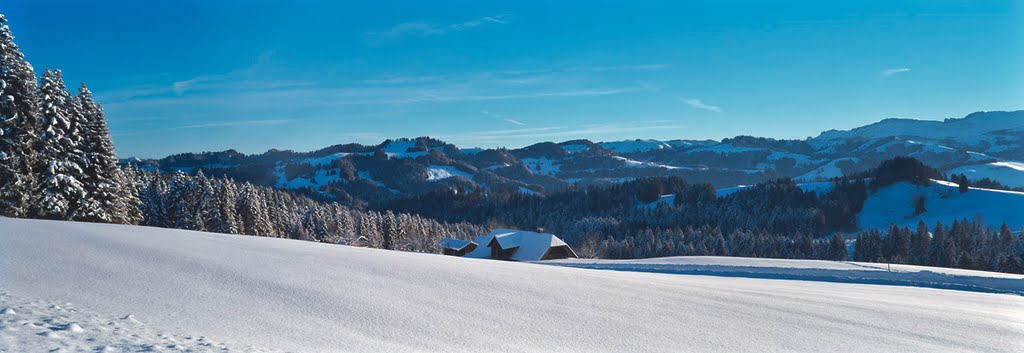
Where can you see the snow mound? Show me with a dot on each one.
(254, 294)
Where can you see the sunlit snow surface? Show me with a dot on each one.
(219, 293)
(894, 204)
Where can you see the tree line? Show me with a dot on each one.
(965, 244)
(197, 202)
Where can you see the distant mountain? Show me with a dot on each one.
(980, 145)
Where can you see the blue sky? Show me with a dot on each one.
(177, 76)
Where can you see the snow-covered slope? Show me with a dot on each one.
(894, 204)
(1009, 173)
(189, 290)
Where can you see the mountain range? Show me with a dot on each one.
(980, 145)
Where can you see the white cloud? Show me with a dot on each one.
(502, 117)
(697, 103)
(180, 87)
(890, 72)
(428, 29)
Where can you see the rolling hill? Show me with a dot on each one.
(981, 145)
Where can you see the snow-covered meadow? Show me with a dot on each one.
(68, 286)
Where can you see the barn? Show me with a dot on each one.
(512, 245)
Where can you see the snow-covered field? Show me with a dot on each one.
(894, 204)
(87, 287)
(1008, 173)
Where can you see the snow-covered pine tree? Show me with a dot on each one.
(61, 190)
(19, 141)
(101, 179)
(252, 211)
(226, 220)
(129, 205)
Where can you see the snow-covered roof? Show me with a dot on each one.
(531, 245)
(455, 244)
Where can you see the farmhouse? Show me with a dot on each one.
(513, 245)
(457, 247)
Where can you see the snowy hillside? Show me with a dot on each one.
(944, 202)
(1009, 173)
(90, 287)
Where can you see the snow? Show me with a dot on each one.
(816, 270)
(209, 292)
(1009, 173)
(668, 199)
(635, 146)
(399, 149)
(366, 176)
(526, 191)
(532, 246)
(435, 173)
(969, 130)
(800, 159)
(638, 164)
(827, 171)
(725, 149)
(456, 244)
(320, 177)
(542, 165)
(894, 205)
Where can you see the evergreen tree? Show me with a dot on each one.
(837, 248)
(225, 221)
(19, 138)
(129, 206)
(919, 244)
(61, 191)
(101, 179)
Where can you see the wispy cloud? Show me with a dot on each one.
(502, 117)
(890, 72)
(240, 79)
(555, 132)
(698, 104)
(427, 29)
(235, 123)
(644, 67)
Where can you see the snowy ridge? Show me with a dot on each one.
(301, 296)
(815, 270)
